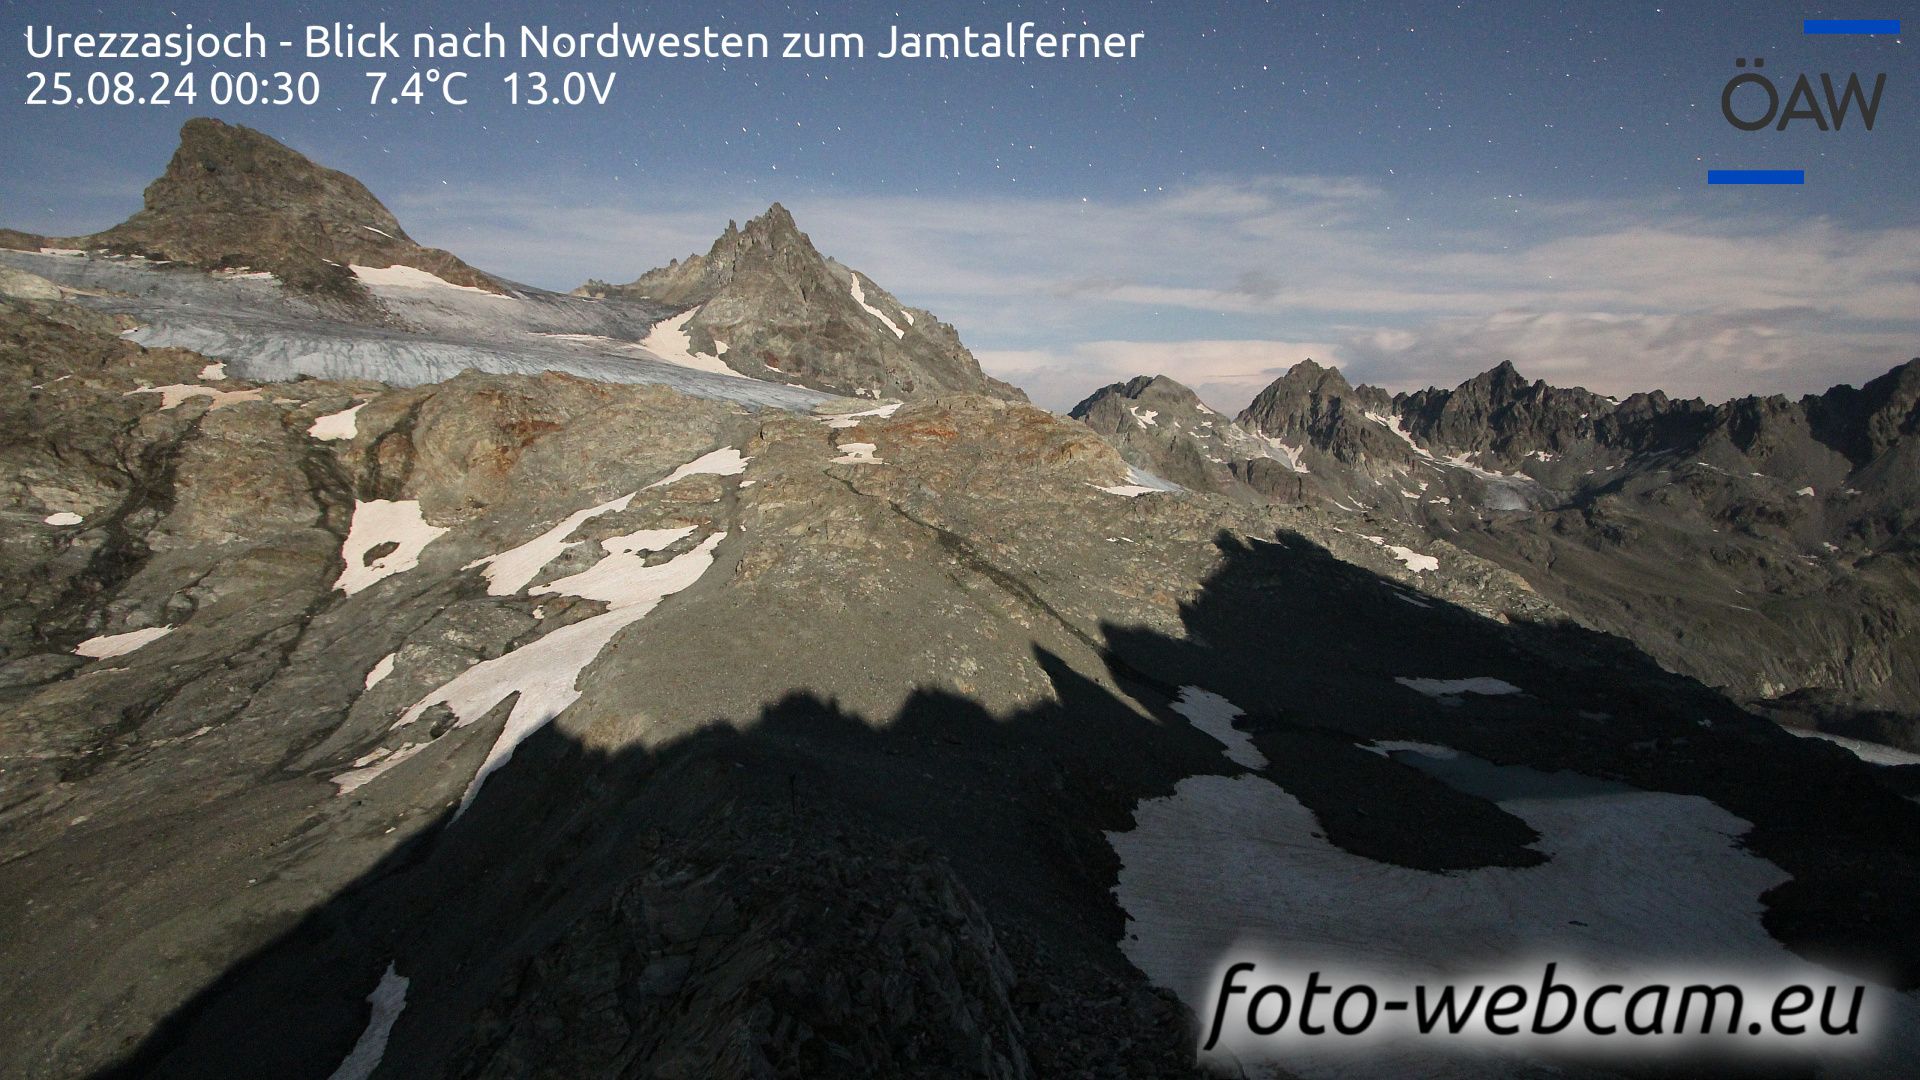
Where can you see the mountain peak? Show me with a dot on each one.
(1864, 423)
(1503, 375)
(232, 196)
(1141, 388)
(247, 164)
(1309, 378)
(1907, 374)
(739, 250)
(226, 169)
(778, 233)
(1159, 386)
(1160, 425)
(1314, 403)
(786, 312)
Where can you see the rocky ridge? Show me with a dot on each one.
(1763, 545)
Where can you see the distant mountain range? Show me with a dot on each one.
(1763, 545)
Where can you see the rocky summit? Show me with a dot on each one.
(1164, 428)
(235, 199)
(494, 684)
(768, 305)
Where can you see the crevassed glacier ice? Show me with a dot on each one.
(264, 333)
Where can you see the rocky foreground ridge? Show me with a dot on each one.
(550, 708)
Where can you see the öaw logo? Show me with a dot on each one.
(1753, 100)
(1801, 103)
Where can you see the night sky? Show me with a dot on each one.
(1415, 191)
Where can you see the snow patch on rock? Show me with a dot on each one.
(380, 522)
(1214, 715)
(1389, 747)
(1452, 687)
(109, 645)
(514, 569)
(1416, 562)
(335, 427)
(543, 673)
(1870, 752)
(1139, 482)
(173, 394)
(615, 577)
(669, 341)
(1280, 451)
(1393, 424)
(388, 999)
(725, 461)
(857, 453)
(860, 297)
(847, 420)
(411, 277)
(380, 671)
(372, 766)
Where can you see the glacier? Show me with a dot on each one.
(265, 333)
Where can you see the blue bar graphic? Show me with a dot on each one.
(1850, 26)
(1756, 176)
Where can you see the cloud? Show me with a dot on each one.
(1252, 198)
(558, 241)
